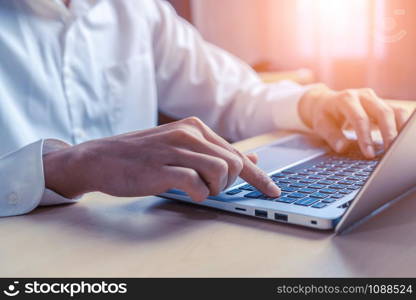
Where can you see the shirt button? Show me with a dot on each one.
(13, 199)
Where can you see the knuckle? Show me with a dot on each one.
(385, 110)
(191, 177)
(194, 121)
(346, 95)
(221, 167)
(346, 98)
(237, 164)
(181, 133)
(368, 92)
(361, 120)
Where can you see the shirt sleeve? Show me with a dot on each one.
(197, 78)
(22, 185)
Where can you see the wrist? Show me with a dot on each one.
(64, 169)
(310, 102)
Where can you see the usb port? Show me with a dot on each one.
(240, 209)
(260, 213)
(280, 217)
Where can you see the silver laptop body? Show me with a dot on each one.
(379, 183)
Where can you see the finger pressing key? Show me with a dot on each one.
(259, 179)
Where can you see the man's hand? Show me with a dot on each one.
(327, 111)
(186, 155)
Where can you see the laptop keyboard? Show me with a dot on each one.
(316, 183)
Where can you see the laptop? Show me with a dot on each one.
(321, 189)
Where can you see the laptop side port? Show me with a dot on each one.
(240, 209)
(260, 213)
(314, 222)
(280, 217)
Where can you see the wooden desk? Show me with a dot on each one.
(103, 236)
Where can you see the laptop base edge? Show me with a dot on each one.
(261, 213)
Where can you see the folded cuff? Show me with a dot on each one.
(22, 183)
(285, 111)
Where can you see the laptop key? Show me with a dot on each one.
(307, 180)
(306, 201)
(296, 177)
(337, 186)
(353, 187)
(361, 174)
(278, 176)
(255, 194)
(264, 197)
(298, 185)
(337, 196)
(344, 174)
(296, 195)
(317, 186)
(247, 187)
(353, 178)
(324, 173)
(307, 191)
(346, 182)
(319, 195)
(316, 177)
(319, 205)
(288, 189)
(234, 192)
(335, 178)
(328, 191)
(325, 182)
(346, 191)
(285, 200)
(329, 200)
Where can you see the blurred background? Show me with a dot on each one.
(343, 43)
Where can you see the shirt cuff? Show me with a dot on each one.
(50, 197)
(22, 182)
(285, 110)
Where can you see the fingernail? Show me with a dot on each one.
(273, 190)
(370, 151)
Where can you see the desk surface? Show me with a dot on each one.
(103, 236)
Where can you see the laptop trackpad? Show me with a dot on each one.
(286, 152)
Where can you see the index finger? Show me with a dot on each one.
(383, 114)
(250, 172)
(259, 179)
(358, 118)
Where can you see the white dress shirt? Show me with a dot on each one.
(104, 67)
